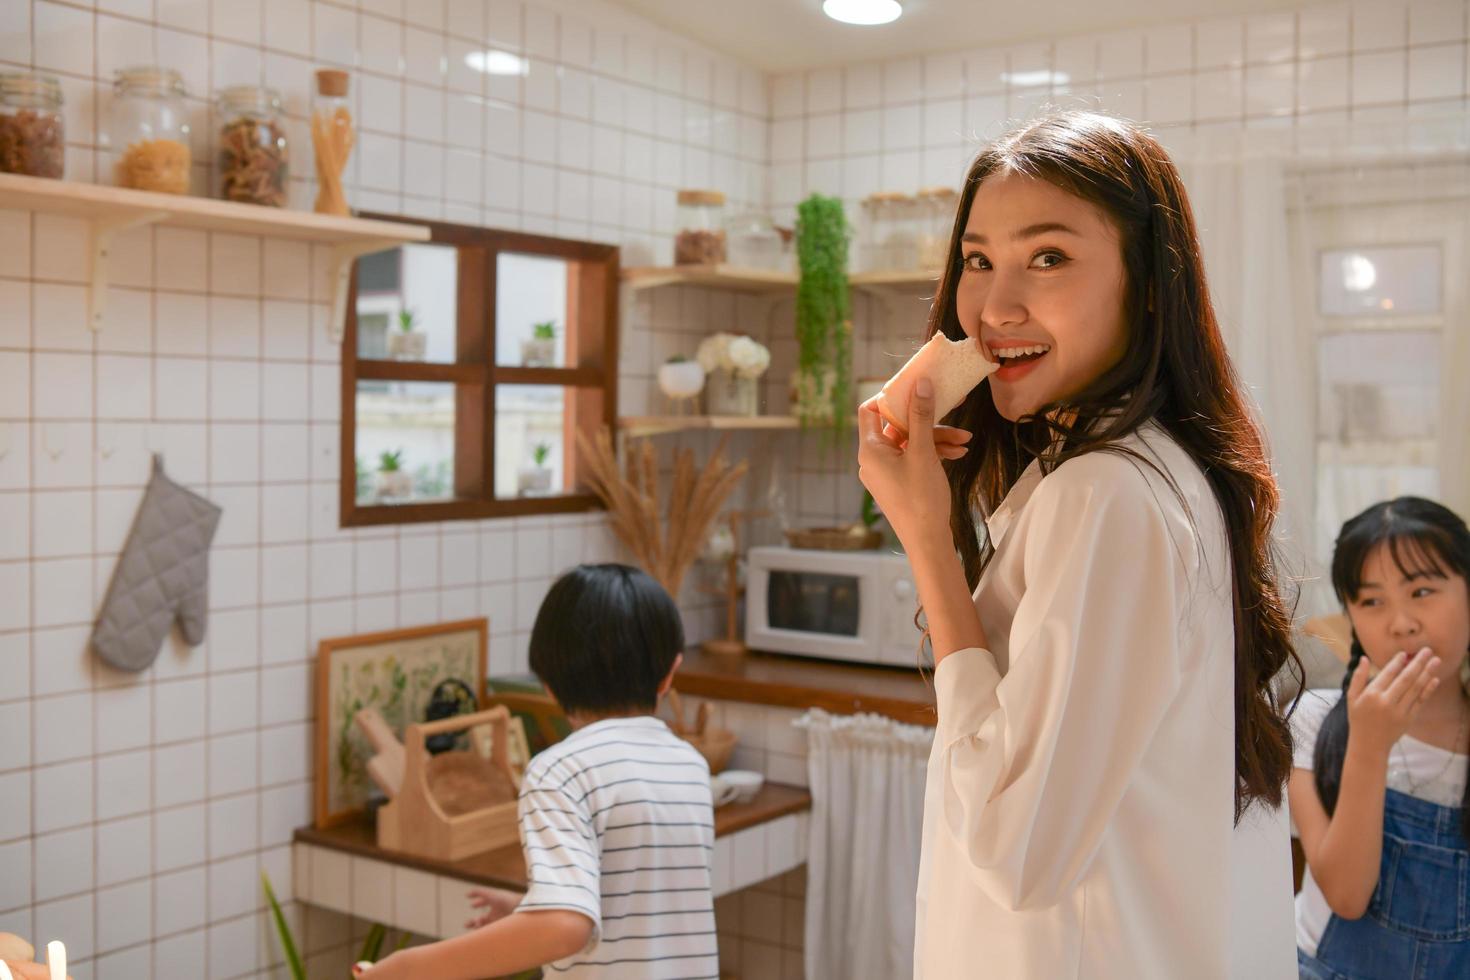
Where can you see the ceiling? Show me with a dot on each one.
(785, 35)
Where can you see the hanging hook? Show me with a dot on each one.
(55, 454)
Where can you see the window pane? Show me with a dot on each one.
(530, 440)
(1402, 280)
(404, 442)
(413, 287)
(1347, 487)
(1378, 385)
(530, 311)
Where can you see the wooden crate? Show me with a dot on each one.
(414, 822)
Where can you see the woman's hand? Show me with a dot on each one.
(905, 476)
(1380, 710)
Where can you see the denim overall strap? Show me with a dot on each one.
(1417, 926)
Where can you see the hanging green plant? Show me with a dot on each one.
(823, 382)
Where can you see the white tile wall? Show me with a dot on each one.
(182, 783)
(215, 353)
(896, 126)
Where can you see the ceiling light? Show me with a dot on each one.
(496, 63)
(866, 12)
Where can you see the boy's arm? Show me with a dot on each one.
(515, 943)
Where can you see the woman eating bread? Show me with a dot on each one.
(1072, 468)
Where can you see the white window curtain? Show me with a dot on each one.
(867, 785)
(1273, 208)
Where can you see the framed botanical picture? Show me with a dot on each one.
(394, 672)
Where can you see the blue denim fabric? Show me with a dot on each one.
(1417, 926)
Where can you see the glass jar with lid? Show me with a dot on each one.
(253, 159)
(893, 236)
(872, 254)
(332, 136)
(148, 130)
(936, 221)
(701, 236)
(896, 222)
(32, 132)
(753, 242)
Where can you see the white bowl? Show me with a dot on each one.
(745, 782)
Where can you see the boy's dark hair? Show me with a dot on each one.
(1423, 538)
(605, 638)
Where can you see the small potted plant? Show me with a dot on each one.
(681, 380)
(535, 480)
(393, 479)
(734, 364)
(407, 343)
(540, 349)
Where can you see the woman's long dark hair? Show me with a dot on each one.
(1175, 372)
(1422, 537)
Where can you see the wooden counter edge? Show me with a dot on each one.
(358, 838)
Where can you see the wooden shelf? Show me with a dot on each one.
(725, 276)
(97, 201)
(653, 425)
(900, 693)
(113, 210)
(906, 279)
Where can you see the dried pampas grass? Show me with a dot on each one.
(664, 548)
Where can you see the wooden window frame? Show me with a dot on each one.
(591, 344)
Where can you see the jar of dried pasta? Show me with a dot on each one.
(253, 161)
(32, 135)
(147, 133)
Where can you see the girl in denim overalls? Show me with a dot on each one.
(1379, 791)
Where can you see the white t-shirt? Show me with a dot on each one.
(617, 824)
(1415, 769)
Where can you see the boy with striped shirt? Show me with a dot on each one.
(616, 819)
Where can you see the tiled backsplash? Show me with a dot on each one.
(140, 808)
(911, 123)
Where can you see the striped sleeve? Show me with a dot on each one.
(562, 859)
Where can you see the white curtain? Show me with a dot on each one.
(1240, 204)
(1269, 203)
(867, 785)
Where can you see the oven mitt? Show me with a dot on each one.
(162, 574)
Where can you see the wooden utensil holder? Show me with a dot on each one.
(414, 823)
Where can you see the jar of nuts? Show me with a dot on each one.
(32, 135)
(701, 237)
(148, 131)
(252, 146)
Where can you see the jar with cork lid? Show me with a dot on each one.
(701, 237)
(332, 137)
(32, 133)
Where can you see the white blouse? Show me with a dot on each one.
(1078, 812)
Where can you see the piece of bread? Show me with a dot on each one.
(954, 366)
(12, 947)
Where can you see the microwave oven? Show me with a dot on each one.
(856, 606)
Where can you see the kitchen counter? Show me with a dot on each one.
(505, 867)
(900, 693)
(344, 869)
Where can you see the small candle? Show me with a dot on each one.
(56, 959)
